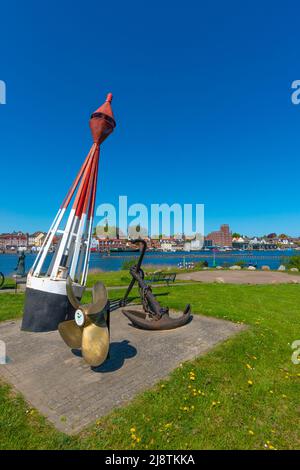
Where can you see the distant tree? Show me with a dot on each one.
(283, 236)
(272, 235)
(236, 235)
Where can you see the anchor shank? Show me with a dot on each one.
(148, 297)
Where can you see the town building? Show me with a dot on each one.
(13, 241)
(36, 239)
(221, 237)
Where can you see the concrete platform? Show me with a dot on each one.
(59, 383)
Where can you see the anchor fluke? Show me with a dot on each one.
(148, 322)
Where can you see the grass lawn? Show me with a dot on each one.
(11, 306)
(9, 283)
(120, 278)
(242, 395)
(109, 278)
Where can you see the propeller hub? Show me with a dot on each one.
(79, 317)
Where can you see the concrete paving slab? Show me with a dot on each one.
(59, 383)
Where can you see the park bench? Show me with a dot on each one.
(161, 277)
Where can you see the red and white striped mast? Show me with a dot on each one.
(71, 257)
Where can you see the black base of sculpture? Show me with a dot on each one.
(43, 311)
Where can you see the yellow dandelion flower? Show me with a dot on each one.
(250, 382)
(162, 385)
(138, 439)
(213, 403)
(251, 432)
(284, 396)
(271, 391)
(248, 366)
(133, 437)
(132, 430)
(192, 377)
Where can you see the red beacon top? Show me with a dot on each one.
(102, 121)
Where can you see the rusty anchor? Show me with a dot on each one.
(154, 317)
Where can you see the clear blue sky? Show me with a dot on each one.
(201, 98)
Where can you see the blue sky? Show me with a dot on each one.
(202, 99)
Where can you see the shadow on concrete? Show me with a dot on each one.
(118, 353)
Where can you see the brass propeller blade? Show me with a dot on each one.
(70, 293)
(93, 337)
(99, 299)
(95, 344)
(70, 333)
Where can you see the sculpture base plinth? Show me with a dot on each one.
(43, 311)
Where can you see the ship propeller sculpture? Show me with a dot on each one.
(89, 331)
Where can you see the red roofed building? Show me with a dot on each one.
(13, 240)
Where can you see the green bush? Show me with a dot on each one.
(200, 265)
(226, 264)
(293, 262)
(128, 263)
(241, 263)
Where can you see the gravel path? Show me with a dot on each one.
(240, 277)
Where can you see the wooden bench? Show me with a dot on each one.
(161, 277)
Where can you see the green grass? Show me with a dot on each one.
(245, 393)
(109, 278)
(9, 283)
(11, 306)
(120, 278)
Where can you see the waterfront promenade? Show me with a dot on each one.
(240, 277)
